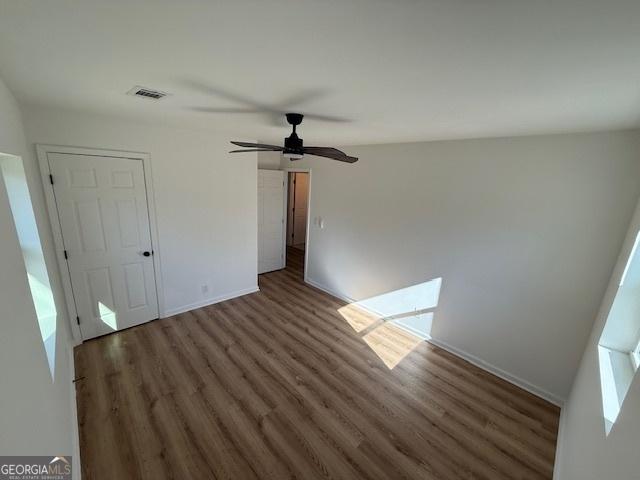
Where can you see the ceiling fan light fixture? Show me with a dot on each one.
(292, 156)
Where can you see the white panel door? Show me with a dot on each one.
(102, 207)
(270, 220)
(301, 194)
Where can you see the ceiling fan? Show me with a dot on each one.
(293, 146)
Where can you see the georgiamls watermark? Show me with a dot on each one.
(35, 468)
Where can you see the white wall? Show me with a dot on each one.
(267, 160)
(36, 413)
(584, 451)
(523, 231)
(206, 200)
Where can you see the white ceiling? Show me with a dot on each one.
(399, 70)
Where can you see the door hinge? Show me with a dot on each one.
(78, 320)
(51, 179)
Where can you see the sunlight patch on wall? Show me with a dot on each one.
(47, 317)
(24, 219)
(616, 373)
(407, 307)
(422, 296)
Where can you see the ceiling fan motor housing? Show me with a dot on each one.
(294, 118)
(293, 144)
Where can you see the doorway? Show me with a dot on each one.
(99, 208)
(297, 219)
(271, 220)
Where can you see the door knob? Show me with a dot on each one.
(146, 254)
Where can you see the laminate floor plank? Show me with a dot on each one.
(292, 383)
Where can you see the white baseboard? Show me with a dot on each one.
(319, 286)
(209, 301)
(478, 362)
(498, 372)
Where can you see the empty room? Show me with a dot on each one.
(357, 239)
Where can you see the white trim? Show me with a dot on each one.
(210, 301)
(513, 379)
(285, 209)
(75, 432)
(629, 260)
(342, 297)
(285, 216)
(333, 293)
(557, 465)
(413, 331)
(478, 362)
(283, 257)
(54, 219)
(307, 245)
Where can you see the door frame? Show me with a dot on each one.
(307, 244)
(284, 224)
(54, 219)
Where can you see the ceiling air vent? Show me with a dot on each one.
(146, 93)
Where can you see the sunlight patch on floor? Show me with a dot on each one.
(394, 323)
(359, 318)
(391, 343)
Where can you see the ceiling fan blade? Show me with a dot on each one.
(329, 152)
(325, 150)
(326, 118)
(255, 150)
(275, 111)
(224, 110)
(305, 96)
(229, 95)
(262, 146)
